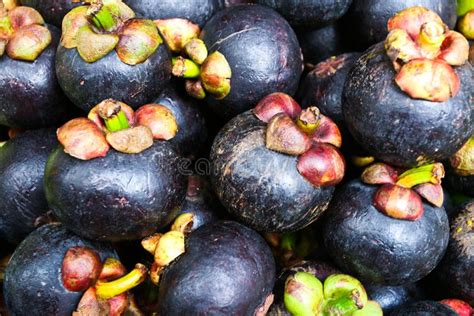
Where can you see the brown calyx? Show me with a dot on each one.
(398, 202)
(283, 135)
(463, 161)
(80, 268)
(330, 66)
(274, 104)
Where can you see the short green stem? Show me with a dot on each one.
(185, 68)
(339, 306)
(117, 122)
(101, 17)
(107, 290)
(432, 173)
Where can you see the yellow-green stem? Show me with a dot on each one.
(106, 290)
(431, 173)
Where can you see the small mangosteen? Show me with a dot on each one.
(393, 297)
(22, 163)
(367, 19)
(30, 96)
(461, 172)
(123, 193)
(221, 268)
(33, 283)
(275, 167)
(252, 52)
(192, 132)
(308, 15)
(406, 104)
(424, 308)
(455, 270)
(197, 11)
(53, 11)
(380, 229)
(105, 51)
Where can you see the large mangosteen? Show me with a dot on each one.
(455, 270)
(254, 52)
(103, 54)
(424, 308)
(53, 11)
(405, 103)
(124, 193)
(367, 19)
(33, 278)
(275, 174)
(22, 163)
(30, 96)
(386, 234)
(309, 15)
(221, 268)
(192, 132)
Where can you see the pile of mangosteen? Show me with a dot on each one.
(237, 157)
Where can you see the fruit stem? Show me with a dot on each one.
(308, 121)
(432, 173)
(117, 122)
(101, 17)
(185, 68)
(107, 290)
(340, 306)
(432, 35)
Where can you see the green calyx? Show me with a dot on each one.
(464, 6)
(105, 25)
(341, 295)
(117, 122)
(431, 173)
(185, 68)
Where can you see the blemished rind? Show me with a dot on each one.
(118, 197)
(87, 84)
(198, 11)
(322, 43)
(261, 187)
(455, 270)
(396, 128)
(367, 19)
(52, 11)
(226, 269)
(22, 163)
(30, 93)
(392, 297)
(262, 51)
(192, 129)
(325, 90)
(309, 14)
(424, 308)
(32, 284)
(379, 249)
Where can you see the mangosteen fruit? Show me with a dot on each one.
(367, 19)
(393, 297)
(192, 133)
(30, 96)
(53, 11)
(408, 101)
(22, 163)
(308, 15)
(381, 231)
(223, 268)
(275, 167)
(121, 193)
(197, 11)
(461, 172)
(33, 283)
(322, 43)
(424, 308)
(105, 51)
(253, 51)
(455, 270)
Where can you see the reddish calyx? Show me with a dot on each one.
(23, 34)
(400, 194)
(460, 307)
(305, 133)
(423, 51)
(114, 124)
(97, 29)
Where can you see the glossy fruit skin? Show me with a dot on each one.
(262, 51)
(393, 297)
(87, 84)
(198, 11)
(367, 19)
(22, 163)
(52, 11)
(455, 270)
(424, 308)
(192, 130)
(118, 197)
(376, 248)
(396, 128)
(30, 96)
(32, 284)
(227, 269)
(309, 14)
(261, 187)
